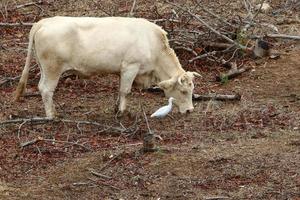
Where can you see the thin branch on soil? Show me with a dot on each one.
(108, 162)
(19, 129)
(31, 142)
(146, 119)
(29, 4)
(234, 72)
(214, 14)
(248, 8)
(67, 142)
(132, 8)
(92, 171)
(284, 36)
(217, 44)
(81, 183)
(212, 53)
(186, 49)
(216, 198)
(47, 120)
(220, 97)
(16, 24)
(11, 79)
(103, 183)
(28, 143)
(163, 20)
(210, 27)
(258, 11)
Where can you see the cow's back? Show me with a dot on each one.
(99, 44)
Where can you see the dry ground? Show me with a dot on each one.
(240, 150)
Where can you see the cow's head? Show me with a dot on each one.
(181, 88)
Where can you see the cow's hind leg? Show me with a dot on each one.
(47, 85)
(128, 74)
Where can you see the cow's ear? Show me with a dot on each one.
(167, 84)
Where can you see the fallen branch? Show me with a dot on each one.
(108, 162)
(47, 120)
(81, 183)
(209, 27)
(105, 184)
(164, 20)
(216, 198)
(132, 8)
(219, 45)
(202, 56)
(67, 142)
(215, 15)
(186, 49)
(232, 73)
(16, 24)
(284, 36)
(31, 142)
(280, 36)
(28, 4)
(34, 141)
(220, 97)
(92, 171)
(11, 79)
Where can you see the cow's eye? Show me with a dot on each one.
(184, 92)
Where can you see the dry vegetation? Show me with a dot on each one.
(247, 149)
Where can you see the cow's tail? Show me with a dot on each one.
(23, 80)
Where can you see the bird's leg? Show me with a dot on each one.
(169, 115)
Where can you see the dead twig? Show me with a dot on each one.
(212, 53)
(31, 142)
(216, 198)
(220, 97)
(132, 8)
(81, 183)
(210, 27)
(104, 183)
(29, 4)
(67, 142)
(283, 36)
(186, 49)
(28, 143)
(12, 79)
(149, 140)
(234, 72)
(108, 162)
(47, 120)
(258, 11)
(92, 171)
(219, 45)
(146, 119)
(214, 14)
(16, 24)
(164, 20)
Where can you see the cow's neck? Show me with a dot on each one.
(168, 66)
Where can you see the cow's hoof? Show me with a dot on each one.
(55, 116)
(119, 114)
(122, 114)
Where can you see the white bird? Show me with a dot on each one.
(163, 111)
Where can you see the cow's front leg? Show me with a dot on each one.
(128, 74)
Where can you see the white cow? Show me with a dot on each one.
(135, 48)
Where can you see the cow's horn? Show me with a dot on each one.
(179, 80)
(197, 74)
